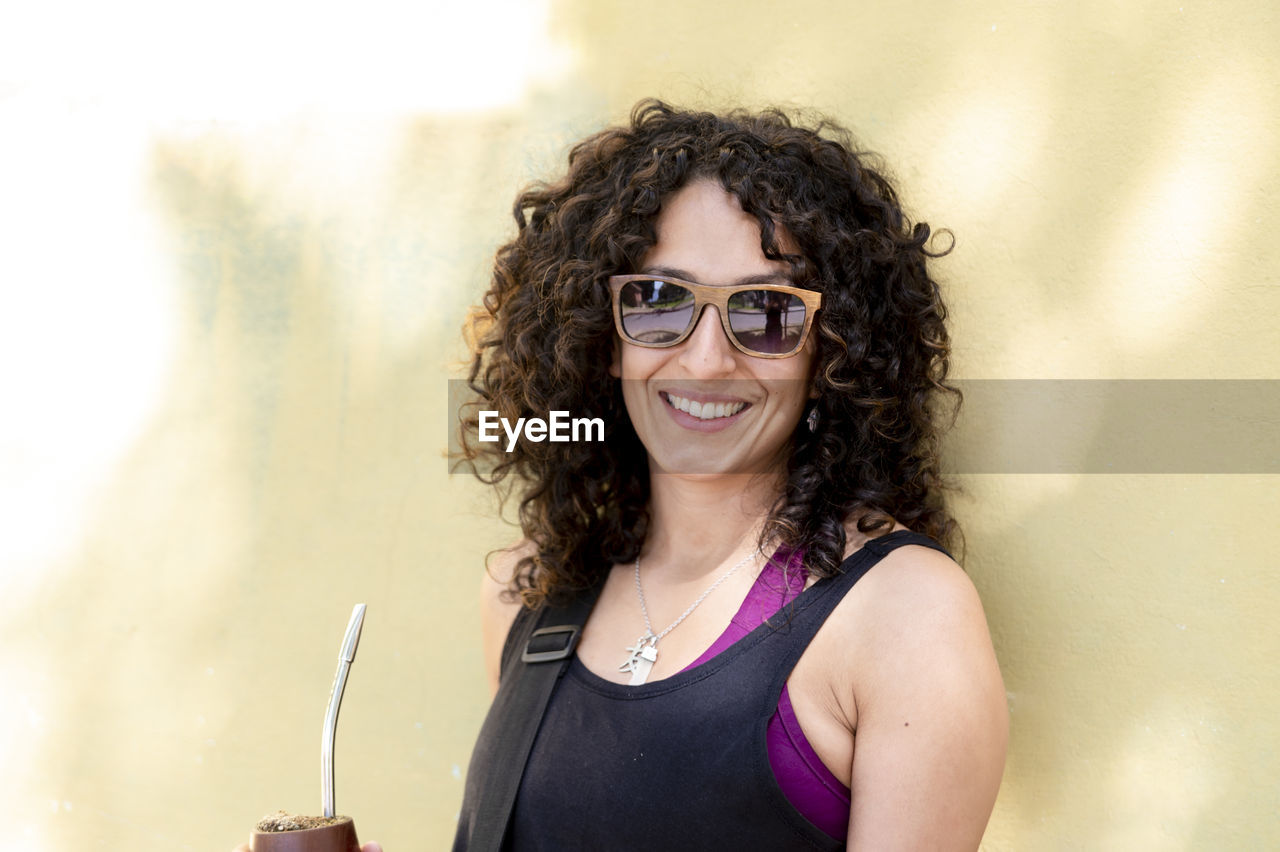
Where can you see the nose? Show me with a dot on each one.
(707, 351)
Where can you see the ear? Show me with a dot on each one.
(615, 365)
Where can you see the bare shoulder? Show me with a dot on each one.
(913, 614)
(914, 591)
(498, 608)
(927, 703)
(919, 591)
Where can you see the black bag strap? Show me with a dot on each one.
(542, 642)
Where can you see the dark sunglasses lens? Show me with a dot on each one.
(767, 321)
(655, 311)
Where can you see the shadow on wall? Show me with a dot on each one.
(294, 465)
(1131, 644)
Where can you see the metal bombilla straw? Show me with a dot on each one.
(345, 657)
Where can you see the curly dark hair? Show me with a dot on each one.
(545, 337)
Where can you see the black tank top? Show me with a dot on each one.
(679, 763)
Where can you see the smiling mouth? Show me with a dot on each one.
(703, 410)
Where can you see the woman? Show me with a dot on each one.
(745, 306)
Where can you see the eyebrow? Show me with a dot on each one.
(748, 281)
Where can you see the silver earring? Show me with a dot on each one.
(812, 420)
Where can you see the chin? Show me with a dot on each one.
(705, 465)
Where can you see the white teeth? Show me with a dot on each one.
(705, 410)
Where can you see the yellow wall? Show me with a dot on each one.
(238, 246)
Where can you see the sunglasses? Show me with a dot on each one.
(764, 320)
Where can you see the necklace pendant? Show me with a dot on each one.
(643, 654)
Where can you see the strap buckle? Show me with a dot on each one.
(550, 650)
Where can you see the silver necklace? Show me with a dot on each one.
(644, 653)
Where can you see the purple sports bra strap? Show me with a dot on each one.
(780, 582)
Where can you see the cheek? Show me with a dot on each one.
(806, 369)
(637, 363)
(811, 373)
(794, 374)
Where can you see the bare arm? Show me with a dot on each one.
(496, 612)
(931, 716)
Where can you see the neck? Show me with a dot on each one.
(698, 525)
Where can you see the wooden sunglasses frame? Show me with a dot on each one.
(718, 297)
